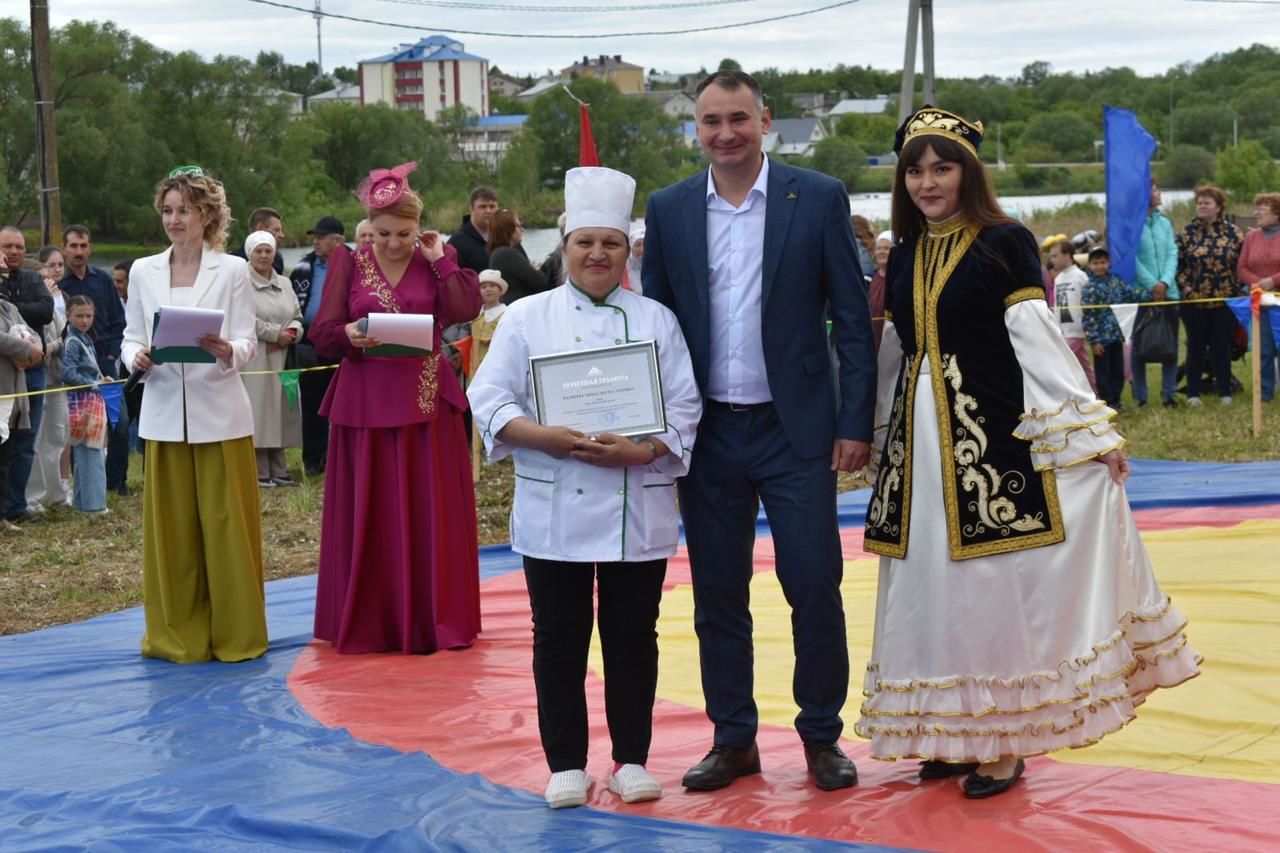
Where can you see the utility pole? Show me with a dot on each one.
(319, 16)
(46, 137)
(919, 15)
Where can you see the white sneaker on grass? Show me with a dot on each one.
(633, 784)
(568, 788)
(1193, 401)
(1225, 400)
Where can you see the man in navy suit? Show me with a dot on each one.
(750, 256)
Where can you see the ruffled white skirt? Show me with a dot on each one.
(1019, 653)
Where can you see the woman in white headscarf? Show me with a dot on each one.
(277, 418)
(635, 260)
(591, 509)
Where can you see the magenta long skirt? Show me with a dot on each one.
(399, 569)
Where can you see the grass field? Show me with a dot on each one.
(68, 566)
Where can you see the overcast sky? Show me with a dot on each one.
(973, 37)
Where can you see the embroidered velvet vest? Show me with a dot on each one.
(948, 291)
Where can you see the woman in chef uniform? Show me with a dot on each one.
(591, 508)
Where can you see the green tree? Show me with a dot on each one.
(727, 64)
(1186, 166)
(353, 140)
(873, 133)
(630, 133)
(1065, 135)
(1035, 73)
(507, 105)
(841, 158)
(18, 174)
(1247, 169)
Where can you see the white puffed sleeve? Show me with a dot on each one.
(499, 392)
(1064, 421)
(888, 367)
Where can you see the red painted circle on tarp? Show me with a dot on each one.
(474, 711)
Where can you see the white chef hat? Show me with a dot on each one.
(494, 277)
(256, 239)
(595, 197)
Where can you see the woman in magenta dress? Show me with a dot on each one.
(398, 563)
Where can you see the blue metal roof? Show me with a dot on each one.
(433, 48)
(499, 119)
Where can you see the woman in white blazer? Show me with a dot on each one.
(591, 509)
(202, 538)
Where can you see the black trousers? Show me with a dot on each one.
(1108, 368)
(312, 386)
(744, 458)
(561, 596)
(1208, 328)
(118, 453)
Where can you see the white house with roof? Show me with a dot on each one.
(432, 75)
(860, 106)
(794, 137)
(676, 103)
(343, 93)
(486, 138)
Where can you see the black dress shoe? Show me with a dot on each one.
(830, 768)
(721, 766)
(945, 769)
(978, 787)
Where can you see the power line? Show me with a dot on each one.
(508, 7)
(440, 29)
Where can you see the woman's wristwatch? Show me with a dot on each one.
(653, 449)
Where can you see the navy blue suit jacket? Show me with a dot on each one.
(810, 262)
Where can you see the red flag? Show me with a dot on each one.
(463, 346)
(586, 142)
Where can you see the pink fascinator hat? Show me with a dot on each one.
(384, 187)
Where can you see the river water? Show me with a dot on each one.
(539, 242)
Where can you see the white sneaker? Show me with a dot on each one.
(633, 784)
(568, 788)
(1193, 402)
(1226, 401)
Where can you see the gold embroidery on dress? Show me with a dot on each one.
(936, 260)
(429, 378)
(993, 504)
(1023, 294)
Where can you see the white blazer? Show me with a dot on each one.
(196, 403)
(565, 509)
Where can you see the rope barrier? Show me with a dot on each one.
(63, 388)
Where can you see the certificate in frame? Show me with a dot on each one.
(614, 389)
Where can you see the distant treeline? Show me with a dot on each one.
(128, 112)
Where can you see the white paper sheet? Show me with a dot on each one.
(183, 327)
(408, 330)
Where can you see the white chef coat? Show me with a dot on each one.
(564, 509)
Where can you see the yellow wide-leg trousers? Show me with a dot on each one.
(202, 552)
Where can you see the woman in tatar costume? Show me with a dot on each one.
(1017, 610)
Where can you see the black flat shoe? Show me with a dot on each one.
(721, 766)
(979, 787)
(945, 769)
(830, 768)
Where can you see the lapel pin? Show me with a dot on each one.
(792, 196)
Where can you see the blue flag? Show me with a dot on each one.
(1241, 308)
(1128, 149)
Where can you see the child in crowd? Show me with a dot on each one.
(1101, 327)
(1068, 286)
(492, 288)
(80, 367)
